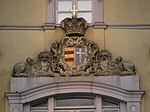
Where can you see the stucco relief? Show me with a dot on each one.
(74, 55)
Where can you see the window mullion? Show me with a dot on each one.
(51, 104)
(98, 103)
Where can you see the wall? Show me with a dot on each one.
(16, 46)
(131, 44)
(126, 11)
(22, 12)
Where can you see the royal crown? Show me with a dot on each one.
(74, 26)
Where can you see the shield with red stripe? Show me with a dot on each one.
(74, 56)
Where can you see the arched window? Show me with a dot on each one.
(81, 94)
(76, 103)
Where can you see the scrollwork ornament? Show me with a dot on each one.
(133, 108)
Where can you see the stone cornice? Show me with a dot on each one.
(74, 85)
(21, 27)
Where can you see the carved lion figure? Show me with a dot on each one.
(45, 60)
(23, 69)
(105, 63)
(125, 67)
(105, 60)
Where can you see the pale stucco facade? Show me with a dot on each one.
(133, 43)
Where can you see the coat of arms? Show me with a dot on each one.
(74, 55)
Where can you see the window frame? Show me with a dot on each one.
(97, 107)
(76, 107)
(97, 14)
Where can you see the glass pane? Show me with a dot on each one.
(39, 104)
(62, 16)
(86, 15)
(110, 103)
(75, 102)
(64, 5)
(84, 5)
(110, 110)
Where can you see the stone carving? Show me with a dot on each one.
(39, 67)
(106, 65)
(125, 67)
(74, 26)
(59, 65)
(74, 55)
(117, 67)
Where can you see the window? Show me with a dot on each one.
(57, 10)
(84, 9)
(74, 103)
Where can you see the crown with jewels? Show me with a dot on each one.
(74, 26)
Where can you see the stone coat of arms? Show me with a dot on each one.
(74, 55)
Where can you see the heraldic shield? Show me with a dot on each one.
(74, 56)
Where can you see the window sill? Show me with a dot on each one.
(100, 26)
(49, 26)
(54, 26)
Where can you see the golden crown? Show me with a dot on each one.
(74, 26)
